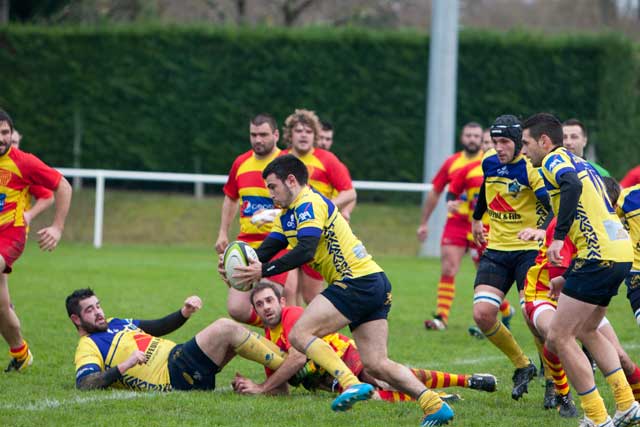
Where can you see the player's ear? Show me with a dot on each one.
(75, 319)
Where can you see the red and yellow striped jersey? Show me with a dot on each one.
(246, 185)
(448, 172)
(327, 174)
(21, 173)
(465, 185)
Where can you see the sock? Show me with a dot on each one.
(621, 390)
(634, 382)
(553, 364)
(323, 355)
(446, 293)
(270, 345)
(430, 402)
(393, 396)
(254, 319)
(252, 348)
(500, 336)
(21, 352)
(505, 308)
(437, 379)
(593, 406)
(540, 346)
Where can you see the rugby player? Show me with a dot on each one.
(279, 319)
(604, 256)
(575, 139)
(628, 209)
(245, 191)
(129, 353)
(18, 172)
(514, 196)
(454, 242)
(358, 295)
(327, 175)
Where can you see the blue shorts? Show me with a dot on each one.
(633, 289)
(595, 281)
(362, 299)
(190, 368)
(500, 268)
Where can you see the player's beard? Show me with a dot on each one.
(472, 149)
(93, 328)
(264, 149)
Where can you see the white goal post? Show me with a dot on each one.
(101, 175)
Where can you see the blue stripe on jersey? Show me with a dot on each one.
(88, 369)
(288, 221)
(331, 207)
(103, 340)
(631, 201)
(310, 231)
(492, 167)
(277, 236)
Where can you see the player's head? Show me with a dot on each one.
(268, 302)
(574, 136)
(542, 132)
(263, 133)
(16, 137)
(506, 133)
(6, 130)
(487, 142)
(471, 137)
(301, 130)
(325, 139)
(613, 189)
(285, 176)
(84, 310)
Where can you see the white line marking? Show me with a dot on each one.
(45, 404)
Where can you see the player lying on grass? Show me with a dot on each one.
(279, 320)
(128, 353)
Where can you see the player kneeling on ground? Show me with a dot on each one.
(280, 319)
(128, 353)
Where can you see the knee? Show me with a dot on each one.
(225, 326)
(485, 316)
(449, 266)
(297, 339)
(376, 367)
(239, 313)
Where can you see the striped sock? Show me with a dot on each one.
(634, 383)
(323, 355)
(437, 379)
(21, 352)
(552, 362)
(446, 293)
(393, 396)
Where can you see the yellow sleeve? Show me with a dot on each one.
(311, 216)
(87, 353)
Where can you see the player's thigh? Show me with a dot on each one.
(371, 339)
(450, 258)
(570, 316)
(495, 270)
(320, 318)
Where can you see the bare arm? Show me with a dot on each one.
(347, 209)
(276, 382)
(429, 205)
(229, 210)
(50, 236)
(104, 379)
(38, 207)
(344, 198)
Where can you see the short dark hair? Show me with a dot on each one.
(547, 124)
(576, 122)
(325, 125)
(286, 165)
(263, 118)
(5, 117)
(261, 286)
(472, 125)
(73, 300)
(613, 189)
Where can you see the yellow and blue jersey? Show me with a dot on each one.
(339, 253)
(512, 192)
(596, 230)
(629, 210)
(99, 351)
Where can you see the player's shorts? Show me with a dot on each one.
(534, 308)
(280, 278)
(362, 299)
(12, 241)
(190, 368)
(500, 268)
(595, 281)
(633, 289)
(306, 268)
(455, 232)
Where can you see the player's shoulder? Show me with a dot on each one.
(243, 157)
(630, 198)
(325, 156)
(556, 158)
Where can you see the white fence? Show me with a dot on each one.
(101, 176)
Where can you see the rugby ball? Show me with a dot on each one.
(238, 254)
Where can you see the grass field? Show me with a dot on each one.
(159, 250)
(151, 281)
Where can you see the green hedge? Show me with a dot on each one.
(156, 98)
